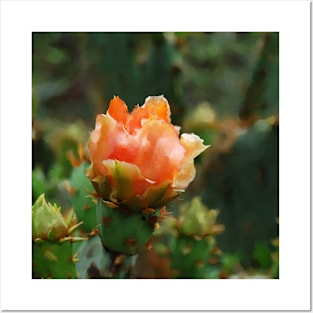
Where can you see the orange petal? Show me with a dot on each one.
(118, 110)
(134, 120)
(160, 154)
(159, 107)
(154, 107)
(124, 146)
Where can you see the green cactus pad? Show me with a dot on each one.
(190, 256)
(81, 198)
(53, 260)
(120, 231)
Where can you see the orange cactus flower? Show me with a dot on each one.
(138, 160)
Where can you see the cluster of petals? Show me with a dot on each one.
(138, 159)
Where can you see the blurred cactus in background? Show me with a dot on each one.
(191, 244)
(223, 88)
(241, 175)
(185, 246)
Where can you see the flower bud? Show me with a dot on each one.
(195, 219)
(47, 221)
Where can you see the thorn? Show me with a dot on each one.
(163, 214)
(148, 210)
(70, 216)
(110, 204)
(70, 189)
(75, 239)
(72, 239)
(74, 227)
(94, 232)
(76, 255)
(38, 240)
(119, 259)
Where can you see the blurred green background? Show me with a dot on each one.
(222, 86)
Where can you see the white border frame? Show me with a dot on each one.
(19, 19)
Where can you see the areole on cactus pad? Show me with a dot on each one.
(138, 160)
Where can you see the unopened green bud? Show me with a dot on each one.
(47, 221)
(196, 219)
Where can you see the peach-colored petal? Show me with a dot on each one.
(159, 107)
(154, 107)
(118, 110)
(101, 142)
(124, 145)
(160, 154)
(194, 146)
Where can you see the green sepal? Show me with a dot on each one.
(118, 187)
(53, 260)
(120, 231)
(154, 197)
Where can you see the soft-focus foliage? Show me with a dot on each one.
(224, 87)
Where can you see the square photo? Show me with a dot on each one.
(155, 155)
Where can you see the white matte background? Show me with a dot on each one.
(19, 19)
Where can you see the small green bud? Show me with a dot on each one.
(47, 221)
(196, 219)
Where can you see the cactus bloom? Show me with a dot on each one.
(138, 160)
